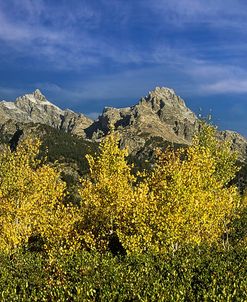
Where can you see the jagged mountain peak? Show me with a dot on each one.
(37, 92)
(35, 108)
(162, 92)
(39, 96)
(35, 99)
(160, 114)
(164, 96)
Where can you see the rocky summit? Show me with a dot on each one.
(160, 118)
(161, 113)
(35, 108)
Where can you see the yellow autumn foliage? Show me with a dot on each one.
(106, 194)
(185, 199)
(31, 195)
(192, 205)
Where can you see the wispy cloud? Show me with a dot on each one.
(212, 78)
(236, 86)
(89, 52)
(66, 36)
(39, 30)
(189, 77)
(210, 12)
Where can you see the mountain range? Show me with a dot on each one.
(35, 108)
(161, 117)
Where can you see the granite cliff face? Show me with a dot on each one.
(35, 108)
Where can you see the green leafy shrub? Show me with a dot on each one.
(188, 275)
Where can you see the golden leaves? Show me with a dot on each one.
(31, 198)
(185, 199)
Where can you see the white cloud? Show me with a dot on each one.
(25, 33)
(64, 46)
(236, 86)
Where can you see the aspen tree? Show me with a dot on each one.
(31, 195)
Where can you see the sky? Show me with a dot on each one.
(88, 54)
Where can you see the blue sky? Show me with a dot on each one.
(85, 55)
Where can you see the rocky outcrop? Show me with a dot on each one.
(172, 111)
(75, 123)
(35, 108)
(160, 114)
(237, 141)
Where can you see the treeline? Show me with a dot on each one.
(58, 145)
(174, 233)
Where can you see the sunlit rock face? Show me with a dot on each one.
(160, 114)
(237, 141)
(35, 108)
(158, 118)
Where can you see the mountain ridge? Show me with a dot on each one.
(35, 108)
(161, 115)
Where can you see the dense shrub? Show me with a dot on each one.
(185, 199)
(188, 275)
